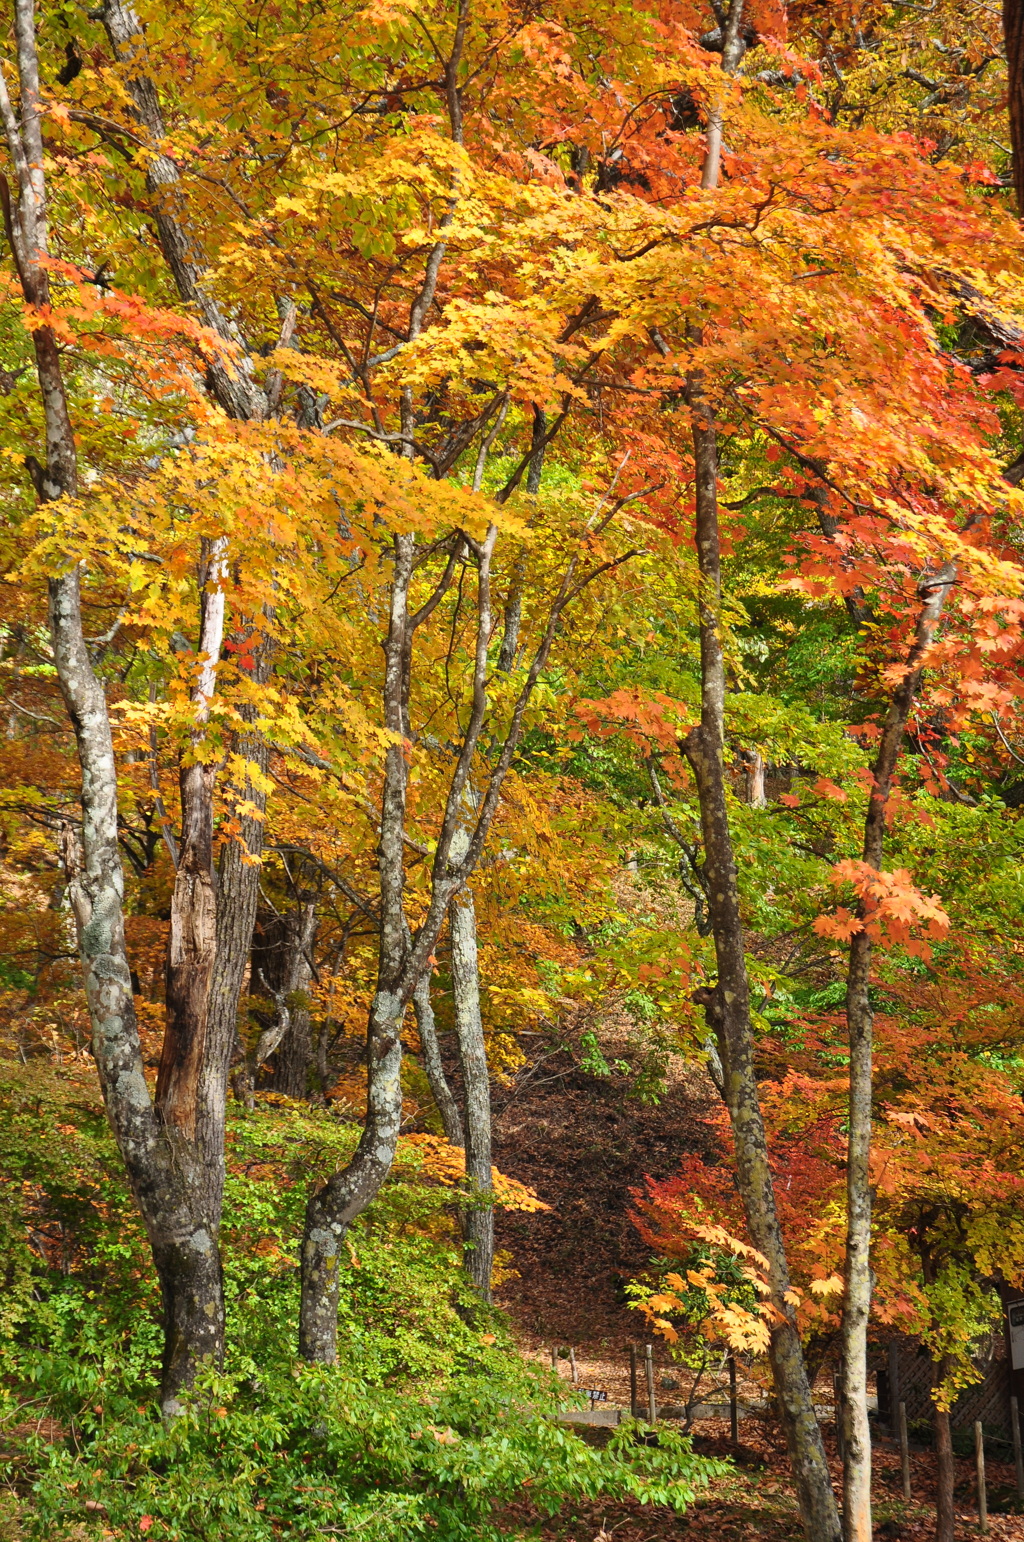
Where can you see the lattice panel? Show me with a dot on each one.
(988, 1400)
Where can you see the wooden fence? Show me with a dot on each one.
(987, 1400)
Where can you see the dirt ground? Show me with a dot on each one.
(583, 1144)
(757, 1501)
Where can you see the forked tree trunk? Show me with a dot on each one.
(404, 959)
(331, 1209)
(184, 1248)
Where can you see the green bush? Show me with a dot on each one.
(429, 1424)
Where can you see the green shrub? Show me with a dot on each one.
(430, 1422)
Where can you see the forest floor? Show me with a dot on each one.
(583, 1144)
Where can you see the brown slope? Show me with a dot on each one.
(582, 1142)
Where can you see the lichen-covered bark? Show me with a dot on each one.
(426, 1027)
(727, 1006)
(478, 1219)
(857, 1525)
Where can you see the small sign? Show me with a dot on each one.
(596, 1396)
(1015, 1314)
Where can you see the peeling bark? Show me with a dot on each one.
(184, 1251)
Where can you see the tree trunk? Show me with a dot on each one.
(1013, 32)
(478, 1220)
(331, 1210)
(727, 1006)
(444, 1098)
(295, 1051)
(192, 936)
(945, 1478)
(857, 1526)
(161, 1179)
(238, 894)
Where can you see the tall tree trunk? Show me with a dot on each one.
(1013, 32)
(211, 925)
(932, 591)
(727, 1005)
(331, 1210)
(184, 1250)
(478, 1220)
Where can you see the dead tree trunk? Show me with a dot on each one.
(192, 937)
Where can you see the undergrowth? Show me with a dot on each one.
(428, 1425)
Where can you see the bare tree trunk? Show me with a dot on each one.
(426, 1027)
(727, 1007)
(478, 1220)
(932, 591)
(330, 1211)
(755, 779)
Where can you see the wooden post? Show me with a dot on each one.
(979, 1459)
(1018, 1460)
(652, 1407)
(837, 1395)
(894, 1384)
(554, 1358)
(734, 1412)
(572, 1363)
(633, 1401)
(904, 1450)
